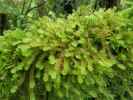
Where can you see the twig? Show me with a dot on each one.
(23, 7)
(34, 7)
(29, 5)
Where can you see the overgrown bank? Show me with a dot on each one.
(87, 56)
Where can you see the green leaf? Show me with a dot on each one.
(32, 84)
(52, 59)
(66, 67)
(80, 79)
(45, 77)
(48, 87)
(13, 89)
(121, 66)
(52, 74)
(25, 50)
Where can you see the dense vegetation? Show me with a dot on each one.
(86, 55)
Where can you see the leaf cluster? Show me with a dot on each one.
(89, 55)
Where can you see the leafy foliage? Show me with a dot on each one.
(88, 55)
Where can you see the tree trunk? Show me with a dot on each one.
(41, 9)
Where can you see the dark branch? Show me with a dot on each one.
(23, 6)
(30, 9)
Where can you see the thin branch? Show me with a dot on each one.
(24, 3)
(12, 2)
(35, 7)
(29, 5)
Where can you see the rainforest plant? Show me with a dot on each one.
(87, 56)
